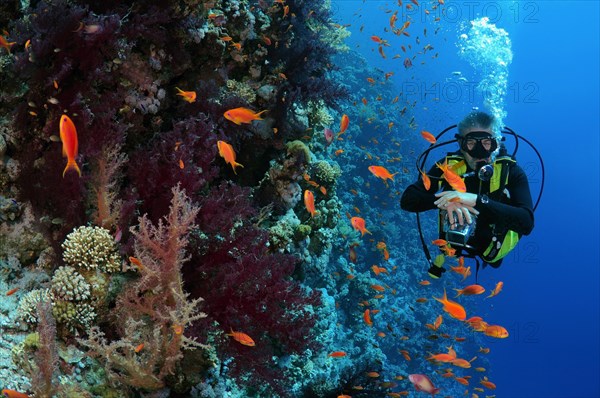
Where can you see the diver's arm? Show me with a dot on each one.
(518, 213)
(416, 198)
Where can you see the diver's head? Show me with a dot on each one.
(478, 137)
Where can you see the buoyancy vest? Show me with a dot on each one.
(503, 239)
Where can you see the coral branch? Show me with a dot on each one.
(154, 308)
(104, 186)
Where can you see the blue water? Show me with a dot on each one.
(550, 301)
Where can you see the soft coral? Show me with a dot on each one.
(248, 289)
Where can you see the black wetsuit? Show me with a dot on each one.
(514, 212)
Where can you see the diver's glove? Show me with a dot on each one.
(435, 271)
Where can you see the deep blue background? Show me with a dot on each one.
(550, 302)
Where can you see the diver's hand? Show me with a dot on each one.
(459, 206)
(446, 197)
(459, 212)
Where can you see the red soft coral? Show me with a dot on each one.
(248, 289)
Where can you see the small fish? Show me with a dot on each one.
(470, 290)
(373, 375)
(426, 180)
(139, 348)
(344, 124)
(328, 133)
(497, 289)
(422, 383)
(188, 96)
(487, 384)
(136, 262)
(367, 317)
(358, 223)
(452, 178)
(378, 288)
(382, 172)
(13, 394)
(496, 331)
(242, 338)
(12, 291)
(4, 43)
(242, 115)
(68, 136)
(226, 152)
(428, 136)
(454, 309)
(309, 202)
(337, 354)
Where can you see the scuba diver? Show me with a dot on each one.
(487, 220)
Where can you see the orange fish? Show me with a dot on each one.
(470, 290)
(344, 124)
(496, 331)
(139, 348)
(426, 180)
(242, 338)
(136, 262)
(487, 384)
(242, 115)
(358, 223)
(12, 291)
(428, 136)
(226, 152)
(462, 363)
(189, 96)
(382, 172)
(454, 309)
(373, 374)
(436, 324)
(462, 381)
(4, 43)
(337, 354)
(453, 179)
(477, 324)
(367, 317)
(309, 202)
(12, 393)
(439, 242)
(497, 289)
(68, 136)
(484, 350)
(379, 288)
(441, 358)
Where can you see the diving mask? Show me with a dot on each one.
(478, 144)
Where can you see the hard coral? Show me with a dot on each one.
(91, 248)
